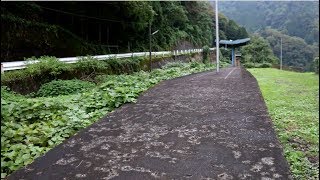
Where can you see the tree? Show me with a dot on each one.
(295, 51)
(90, 28)
(258, 51)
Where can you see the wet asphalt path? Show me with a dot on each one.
(203, 126)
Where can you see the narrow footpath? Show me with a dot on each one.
(203, 126)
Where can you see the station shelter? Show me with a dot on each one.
(233, 44)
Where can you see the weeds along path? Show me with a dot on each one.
(205, 125)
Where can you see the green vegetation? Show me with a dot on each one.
(228, 29)
(63, 87)
(50, 68)
(116, 27)
(205, 52)
(257, 65)
(257, 51)
(32, 126)
(293, 103)
(295, 51)
(276, 20)
(288, 17)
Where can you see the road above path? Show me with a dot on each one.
(203, 126)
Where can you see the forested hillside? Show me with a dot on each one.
(293, 18)
(295, 51)
(81, 28)
(296, 22)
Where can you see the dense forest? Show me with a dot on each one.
(297, 23)
(295, 51)
(288, 17)
(90, 28)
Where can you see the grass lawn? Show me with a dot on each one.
(293, 103)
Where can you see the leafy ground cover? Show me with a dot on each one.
(32, 126)
(64, 87)
(293, 102)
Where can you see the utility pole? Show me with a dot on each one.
(217, 36)
(150, 35)
(281, 53)
(150, 45)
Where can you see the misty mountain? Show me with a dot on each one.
(293, 18)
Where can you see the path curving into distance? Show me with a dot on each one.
(203, 126)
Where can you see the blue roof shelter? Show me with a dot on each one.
(234, 44)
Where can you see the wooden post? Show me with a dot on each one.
(232, 56)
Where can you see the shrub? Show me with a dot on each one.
(13, 75)
(63, 87)
(29, 80)
(257, 65)
(195, 64)
(119, 66)
(224, 64)
(206, 51)
(89, 64)
(264, 65)
(6, 93)
(174, 64)
(46, 64)
(249, 65)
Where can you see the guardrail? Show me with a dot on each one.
(7, 66)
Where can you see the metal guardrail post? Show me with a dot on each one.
(2, 70)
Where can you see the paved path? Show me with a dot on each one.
(201, 126)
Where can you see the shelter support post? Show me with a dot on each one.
(232, 57)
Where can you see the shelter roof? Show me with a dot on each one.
(238, 42)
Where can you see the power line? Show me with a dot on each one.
(91, 17)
